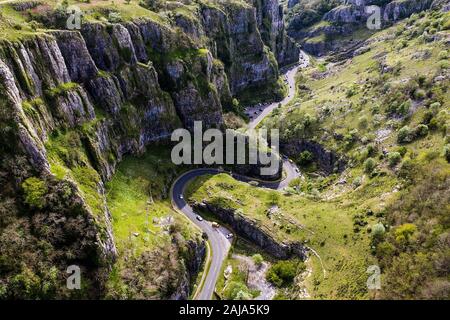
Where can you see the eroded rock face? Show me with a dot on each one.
(113, 89)
(250, 230)
(328, 161)
(269, 14)
(237, 42)
(351, 15)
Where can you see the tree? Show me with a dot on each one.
(283, 272)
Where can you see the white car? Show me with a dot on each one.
(199, 218)
(181, 196)
(229, 236)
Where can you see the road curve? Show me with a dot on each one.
(219, 244)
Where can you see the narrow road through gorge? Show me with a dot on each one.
(219, 244)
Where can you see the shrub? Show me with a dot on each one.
(236, 291)
(420, 94)
(404, 135)
(305, 158)
(405, 232)
(35, 189)
(377, 233)
(427, 117)
(357, 182)
(283, 272)
(443, 55)
(402, 150)
(369, 165)
(114, 17)
(394, 158)
(407, 169)
(258, 259)
(421, 130)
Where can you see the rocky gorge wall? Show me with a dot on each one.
(348, 18)
(249, 230)
(75, 102)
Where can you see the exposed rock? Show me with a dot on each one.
(250, 230)
(269, 14)
(79, 63)
(327, 160)
(397, 10)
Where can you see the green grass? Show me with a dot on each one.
(138, 197)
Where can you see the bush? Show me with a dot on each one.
(402, 150)
(443, 55)
(258, 259)
(394, 158)
(236, 291)
(283, 272)
(421, 130)
(35, 189)
(377, 233)
(305, 158)
(405, 232)
(369, 165)
(404, 135)
(420, 94)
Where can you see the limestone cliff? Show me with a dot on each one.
(343, 26)
(75, 102)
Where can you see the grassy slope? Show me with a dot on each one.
(138, 199)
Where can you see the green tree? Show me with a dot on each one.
(283, 272)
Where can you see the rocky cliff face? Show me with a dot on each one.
(336, 30)
(250, 230)
(328, 161)
(354, 11)
(75, 102)
(269, 14)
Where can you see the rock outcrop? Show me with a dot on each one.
(334, 33)
(328, 161)
(269, 14)
(253, 232)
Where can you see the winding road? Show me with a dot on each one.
(219, 244)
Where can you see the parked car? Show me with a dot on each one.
(215, 225)
(229, 236)
(199, 218)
